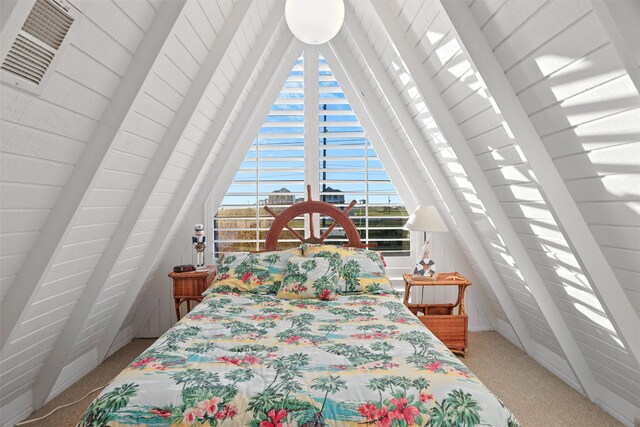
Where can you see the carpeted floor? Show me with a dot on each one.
(534, 395)
(69, 417)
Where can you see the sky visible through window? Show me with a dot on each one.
(273, 173)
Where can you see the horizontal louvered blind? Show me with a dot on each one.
(272, 173)
(351, 170)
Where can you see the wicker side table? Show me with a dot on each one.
(189, 287)
(450, 328)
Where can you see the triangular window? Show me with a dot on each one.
(340, 162)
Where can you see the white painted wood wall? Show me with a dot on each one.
(559, 58)
(45, 137)
(521, 37)
(585, 108)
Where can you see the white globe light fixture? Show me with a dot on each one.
(314, 21)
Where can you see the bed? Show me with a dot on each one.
(257, 359)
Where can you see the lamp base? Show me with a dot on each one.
(425, 251)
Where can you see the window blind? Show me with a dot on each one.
(273, 173)
(350, 169)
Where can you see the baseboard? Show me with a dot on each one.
(22, 406)
(123, 338)
(160, 319)
(480, 328)
(74, 371)
(16, 410)
(551, 361)
(610, 402)
(556, 364)
(616, 406)
(505, 329)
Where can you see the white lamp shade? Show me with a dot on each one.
(314, 21)
(425, 218)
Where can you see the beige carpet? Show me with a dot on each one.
(69, 417)
(534, 395)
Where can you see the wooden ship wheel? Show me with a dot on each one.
(312, 207)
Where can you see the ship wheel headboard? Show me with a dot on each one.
(312, 207)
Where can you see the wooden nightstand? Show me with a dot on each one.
(452, 329)
(190, 286)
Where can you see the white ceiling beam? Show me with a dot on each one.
(402, 169)
(377, 126)
(572, 224)
(456, 140)
(617, 38)
(17, 300)
(438, 178)
(74, 324)
(189, 179)
(233, 150)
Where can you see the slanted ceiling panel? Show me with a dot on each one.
(195, 46)
(476, 319)
(437, 48)
(555, 54)
(389, 59)
(578, 96)
(176, 248)
(221, 84)
(46, 135)
(43, 136)
(82, 103)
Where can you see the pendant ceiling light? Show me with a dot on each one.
(314, 21)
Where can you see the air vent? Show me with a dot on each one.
(38, 41)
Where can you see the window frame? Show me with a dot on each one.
(311, 146)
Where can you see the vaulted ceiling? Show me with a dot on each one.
(519, 120)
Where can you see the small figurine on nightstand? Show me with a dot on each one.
(199, 245)
(425, 267)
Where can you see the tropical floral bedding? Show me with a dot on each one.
(249, 359)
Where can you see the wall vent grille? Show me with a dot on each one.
(38, 42)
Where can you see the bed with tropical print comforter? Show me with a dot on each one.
(255, 360)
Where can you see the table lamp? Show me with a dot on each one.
(426, 219)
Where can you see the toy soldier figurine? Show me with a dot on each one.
(199, 244)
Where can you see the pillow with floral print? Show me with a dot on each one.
(359, 273)
(309, 250)
(308, 278)
(358, 270)
(251, 272)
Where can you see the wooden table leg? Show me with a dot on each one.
(407, 289)
(177, 301)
